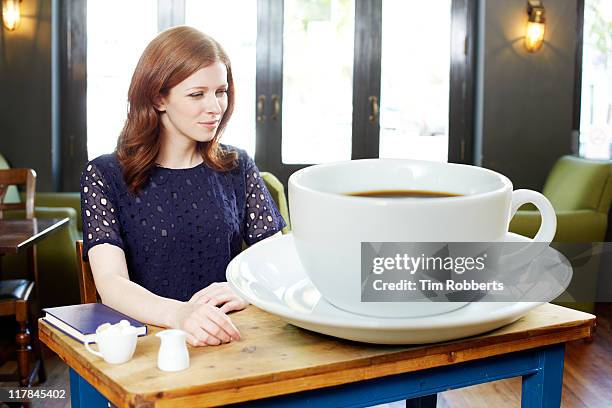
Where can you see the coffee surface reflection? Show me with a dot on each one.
(402, 194)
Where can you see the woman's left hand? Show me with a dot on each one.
(220, 293)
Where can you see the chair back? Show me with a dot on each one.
(12, 195)
(18, 177)
(87, 285)
(575, 183)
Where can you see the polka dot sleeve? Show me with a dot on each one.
(100, 223)
(262, 218)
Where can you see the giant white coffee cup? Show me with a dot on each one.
(329, 226)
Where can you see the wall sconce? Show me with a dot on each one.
(11, 14)
(536, 26)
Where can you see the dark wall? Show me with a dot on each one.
(527, 99)
(25, 92)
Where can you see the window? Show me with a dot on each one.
(238, 36)
(415, 80)
(132, 29)
(596, 95)
(107, 79)
(317, 81)
(332, 65)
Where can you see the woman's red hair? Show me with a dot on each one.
(169, 59)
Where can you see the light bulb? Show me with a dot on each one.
(11, 14)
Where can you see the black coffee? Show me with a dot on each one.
(403, 194)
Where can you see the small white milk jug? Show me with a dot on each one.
(173, 354)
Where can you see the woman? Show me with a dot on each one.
(165, 213)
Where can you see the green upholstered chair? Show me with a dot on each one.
(56, 261)
(277, 191)
(580, 190)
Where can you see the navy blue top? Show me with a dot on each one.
(184, 226)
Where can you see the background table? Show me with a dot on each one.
(276, 359)
(16, 235)
(19, 235)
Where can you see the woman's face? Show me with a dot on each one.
(194, 107)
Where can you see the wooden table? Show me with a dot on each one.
(278, 364)
(16, 235)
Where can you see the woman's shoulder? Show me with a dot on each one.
(104, 162)
(105, 167)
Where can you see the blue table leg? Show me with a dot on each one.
(427, 401)
(542, 389)
(83, 394)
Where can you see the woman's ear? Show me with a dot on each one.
(159, 103)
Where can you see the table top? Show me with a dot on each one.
(15, 235)
(276, 358)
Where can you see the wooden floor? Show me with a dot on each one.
(587, 380)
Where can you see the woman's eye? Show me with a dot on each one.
(222, 91)
(196, 94)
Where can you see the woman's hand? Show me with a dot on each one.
(220, 293)
(204, 324)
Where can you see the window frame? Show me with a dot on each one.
(69, 79)
(580, 4)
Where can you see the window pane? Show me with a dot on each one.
(233, 23)
(596, 100)
(117, 33)
(317, 80)
(415, 72)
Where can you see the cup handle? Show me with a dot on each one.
(546, 233)
(92, 351)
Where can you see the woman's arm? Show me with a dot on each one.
(204, 323)
(119, 292)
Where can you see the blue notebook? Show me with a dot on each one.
(81, 321)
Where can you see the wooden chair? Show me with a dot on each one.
(87, 286)
(15, 294)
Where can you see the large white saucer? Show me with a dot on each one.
(270, 276)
